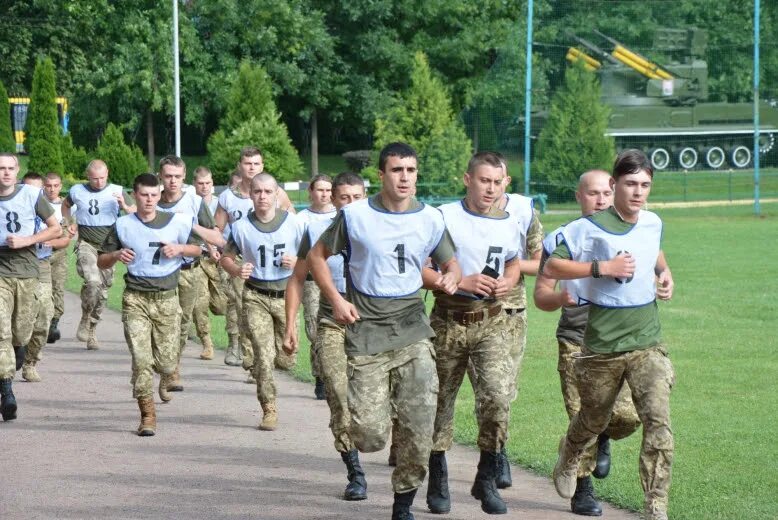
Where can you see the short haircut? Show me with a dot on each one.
(347, 179)
(492, 159)
(145, 179)
(32, 176)
(249, 151)
(397, 149)
(53, 175)
(171, 160)
(319, 178)
(95, 164)
(200, 172)
(263, 177)
(11, 155)
(630, 162)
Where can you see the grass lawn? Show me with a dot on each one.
(720, 328)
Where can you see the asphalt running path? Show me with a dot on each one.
(73, 453)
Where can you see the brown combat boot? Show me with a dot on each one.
(174, 383)
(82, 333)
(91, 341)
(270, 417)
(207, 352)
(148, 417)
(29, 373)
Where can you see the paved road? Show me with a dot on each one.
(73, 452)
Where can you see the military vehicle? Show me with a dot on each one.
(663, 109)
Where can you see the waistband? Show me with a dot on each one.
(155, 295)
(266, 292)
(186, 267)
(470, 317)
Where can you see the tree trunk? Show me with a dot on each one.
(476, 129)
(314, 144)
(150, 138)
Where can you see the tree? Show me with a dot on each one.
(252, 119)
(43, 132)
(423, 118)
(74, 158)
(124, 161)
(573, 138)
(7, 141)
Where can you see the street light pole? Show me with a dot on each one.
(176, 82)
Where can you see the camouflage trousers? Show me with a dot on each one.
(402, 382)
(211, 296)
(189, 282)
(310, 316)
(331, 355)
(18, 306)
(624, 419)
(484, 348)
(152, 326)
(234, 318)
(94, 292)
(44, 313)
(265, 320)
(649, 374)
(59, 273)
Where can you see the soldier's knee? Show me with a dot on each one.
(658, 437)
(369, 438)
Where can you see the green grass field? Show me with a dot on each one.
(720, 328)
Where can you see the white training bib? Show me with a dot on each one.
(57, 210)
(17, 214)
(481, 241)
(520, 208)
(550, 242)
(95, 208)
(235, 207)
(188, 205)
(587, 241)
(336, 262)
(387, 251)
(264, 250)
(307, 216)
(146, 242)
(43, 252)
(213, 205)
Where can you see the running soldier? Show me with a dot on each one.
(52, 185)
(391, 367)
(616, 254)
(594, 194)
(331, 335)
(471, 327)
(267, 239)
(152, 244)
(97, 204)
(321, 208)
(19, 269)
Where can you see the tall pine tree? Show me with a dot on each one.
(7, 141)
(573, 138)
(43, 132)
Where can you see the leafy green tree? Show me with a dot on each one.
(7, 141)
(124, 161)
(43, 131)
(74, 158)
(573, 138)
(423, 118)
(251, 118)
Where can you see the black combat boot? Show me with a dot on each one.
(20, 352)
(318, 390)
(503, 479)
(484, 488)
(401, 509)
(357, 485)
(583, 501)
(603, 466)
(7, 400)
(54, 334)
(438, 497)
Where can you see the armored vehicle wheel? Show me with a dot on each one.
(740, 156)
(715, 157)
(660, 158)
(687, 158)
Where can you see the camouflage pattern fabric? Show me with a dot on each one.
(264, 317)
(650, 376)
(403, 381)
(152, 326)
(235, 326)
(45, 311)
(94, 292)
(18, 306)
(624, 419)
(332, 369)
(189, 282)
(484, 347)
(310, 315)
(210, 297)
(59, 273)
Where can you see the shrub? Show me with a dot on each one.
(43, 132)
(125, 161)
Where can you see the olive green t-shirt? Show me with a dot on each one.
(325, 307)
(385, 323)
(144, 283)
(23, 263)
(96, 235)
(610, 330)
(265, 227)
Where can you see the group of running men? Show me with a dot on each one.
(385, 367)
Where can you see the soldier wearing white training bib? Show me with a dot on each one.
(97, 206)
(267, 239)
